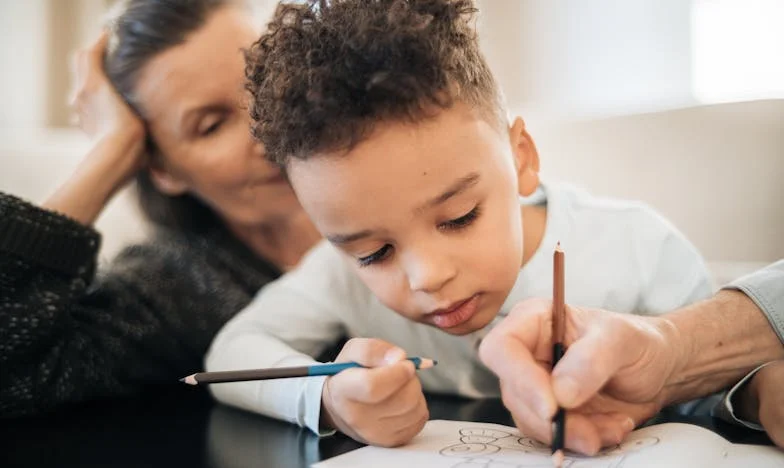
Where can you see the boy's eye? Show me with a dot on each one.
(461, 222)
(376, 257)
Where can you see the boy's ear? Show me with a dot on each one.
(166, 182)
(526, 158)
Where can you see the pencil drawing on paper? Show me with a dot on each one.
(482, 447)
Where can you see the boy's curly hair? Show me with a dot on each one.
(327, 71)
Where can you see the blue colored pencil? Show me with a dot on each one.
(285, 372)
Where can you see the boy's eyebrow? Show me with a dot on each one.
(459, 186)
(340, 239)
(462, 184)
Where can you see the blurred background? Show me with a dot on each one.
(679, 103)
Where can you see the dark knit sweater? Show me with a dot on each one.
(69, 334)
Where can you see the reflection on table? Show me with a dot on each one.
(184, 427)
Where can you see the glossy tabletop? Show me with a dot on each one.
(184, 427)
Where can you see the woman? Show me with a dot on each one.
(226, 222)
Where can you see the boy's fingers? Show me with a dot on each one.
(403, 401)
(376, 384)
(411, 411)
(410, 426)
(370, 352)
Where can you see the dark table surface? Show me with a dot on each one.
(186, 428)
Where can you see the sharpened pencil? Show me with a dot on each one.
(285, 372)
(559, 325)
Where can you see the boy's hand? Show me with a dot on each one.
(610, 379)
(763, 400)
(383, 405)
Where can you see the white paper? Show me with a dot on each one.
(460, 444)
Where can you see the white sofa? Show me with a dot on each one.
(34, 163)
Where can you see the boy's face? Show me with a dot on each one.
(427, 212)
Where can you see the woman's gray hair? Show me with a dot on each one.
(140, 30)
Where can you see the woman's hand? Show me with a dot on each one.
(98, 107)
(118, 135)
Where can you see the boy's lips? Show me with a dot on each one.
(456, 314)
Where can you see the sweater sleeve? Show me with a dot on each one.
(68, 335)
(288, 323)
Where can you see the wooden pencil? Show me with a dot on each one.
(559, 317)
(285, 372)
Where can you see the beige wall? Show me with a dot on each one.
(716, 171)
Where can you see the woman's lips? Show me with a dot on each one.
(457, 314)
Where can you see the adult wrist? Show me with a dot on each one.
(680, 350)
(718, 341)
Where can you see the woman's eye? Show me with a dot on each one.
(376, 257)
(210, 127)
(461, 222)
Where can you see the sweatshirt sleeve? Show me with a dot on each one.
(68, 334)
(766, 288)
(288, 323)
(725, 409)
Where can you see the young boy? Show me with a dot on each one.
(394, 135)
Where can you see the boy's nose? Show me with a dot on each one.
(428, 272)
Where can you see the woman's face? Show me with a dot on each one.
(194, 101)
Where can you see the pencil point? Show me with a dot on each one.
(558, 246)
(426, 363)
(558, 458)
(190, 380)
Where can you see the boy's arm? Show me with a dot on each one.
(290, 321)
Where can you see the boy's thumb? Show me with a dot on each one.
(371, 352)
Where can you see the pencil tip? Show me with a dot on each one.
(426, 363)
(558, 458)
(190, 380)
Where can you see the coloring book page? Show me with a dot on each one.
(460, 444)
